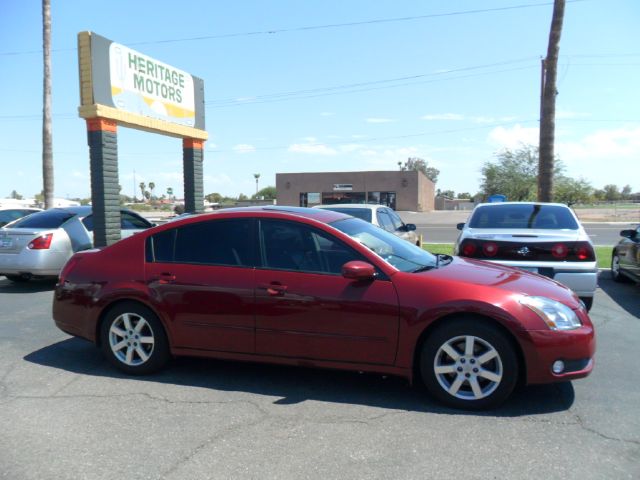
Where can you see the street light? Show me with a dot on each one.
(256, 176)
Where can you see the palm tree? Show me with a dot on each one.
(47, 141)
(151, 187)
(548, 106)
(143, 188)
(256, 176)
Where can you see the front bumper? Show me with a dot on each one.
(576, 348)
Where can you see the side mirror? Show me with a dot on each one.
(358, 270)
(628, 233)
(460, 226)
(410, 227)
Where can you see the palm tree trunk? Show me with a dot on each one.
(548, 107)
(47, 141)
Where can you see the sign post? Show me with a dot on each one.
(122, 87)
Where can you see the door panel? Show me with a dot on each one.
(209, 307)
(325, 317)
(202, 274)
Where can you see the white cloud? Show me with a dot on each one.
(619, 145)
(444, 116)
(244, 148)
(358, 137)
(513, 137)
(380, 120)
(327, 114)
(212, 146)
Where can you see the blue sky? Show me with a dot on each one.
(452, 86)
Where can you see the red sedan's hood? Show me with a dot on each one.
(477, 272)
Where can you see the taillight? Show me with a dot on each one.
(559, 250)
(490, 249)
(41, 243)
(585, 252)
(468, 249)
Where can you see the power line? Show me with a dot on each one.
(315, 27)
(367, 83)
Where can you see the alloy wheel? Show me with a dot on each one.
(468, 367)
(131, 339)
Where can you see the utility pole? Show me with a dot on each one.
(134, 186)
(548, 106)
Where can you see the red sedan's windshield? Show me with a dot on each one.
(397, 252)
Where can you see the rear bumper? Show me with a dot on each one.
(44, 264)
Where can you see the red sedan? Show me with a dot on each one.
(319, 288)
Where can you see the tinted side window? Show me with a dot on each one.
(298, 247)
(160, 247)
(88, 222)
(132, 222)
(215, 242)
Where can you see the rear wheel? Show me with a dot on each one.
(133, 339)
(469, 364)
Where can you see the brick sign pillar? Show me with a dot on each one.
(193, 182)
(105, 191)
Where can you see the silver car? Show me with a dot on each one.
(545, 238)
(38, 246)
(379, 215)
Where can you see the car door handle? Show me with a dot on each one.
(275, 289)
(165, 278)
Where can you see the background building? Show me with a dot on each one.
(400, 190)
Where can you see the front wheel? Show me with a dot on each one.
(469, 364)
(615, 269)
(134, 340)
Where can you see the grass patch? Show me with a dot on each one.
(446, 248)
(603, 253)
(604, 256)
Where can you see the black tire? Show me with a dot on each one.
(615, 269)
(17, 278)
(140, 350)
(588, 302)
(487, 339)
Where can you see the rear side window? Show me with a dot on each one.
(551, 217)
(47, 219)
(215, 242)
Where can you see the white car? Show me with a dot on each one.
(9, 214)
(379, 215)
(545, 238)
(39, 245)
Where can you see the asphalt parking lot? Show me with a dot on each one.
(66, 414)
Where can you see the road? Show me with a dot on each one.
(600, 233)
(66, 414)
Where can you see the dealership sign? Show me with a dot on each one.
(132, 88)
(148, 87)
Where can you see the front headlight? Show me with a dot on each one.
(556, 315)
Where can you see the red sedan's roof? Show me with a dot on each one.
(320, 215)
